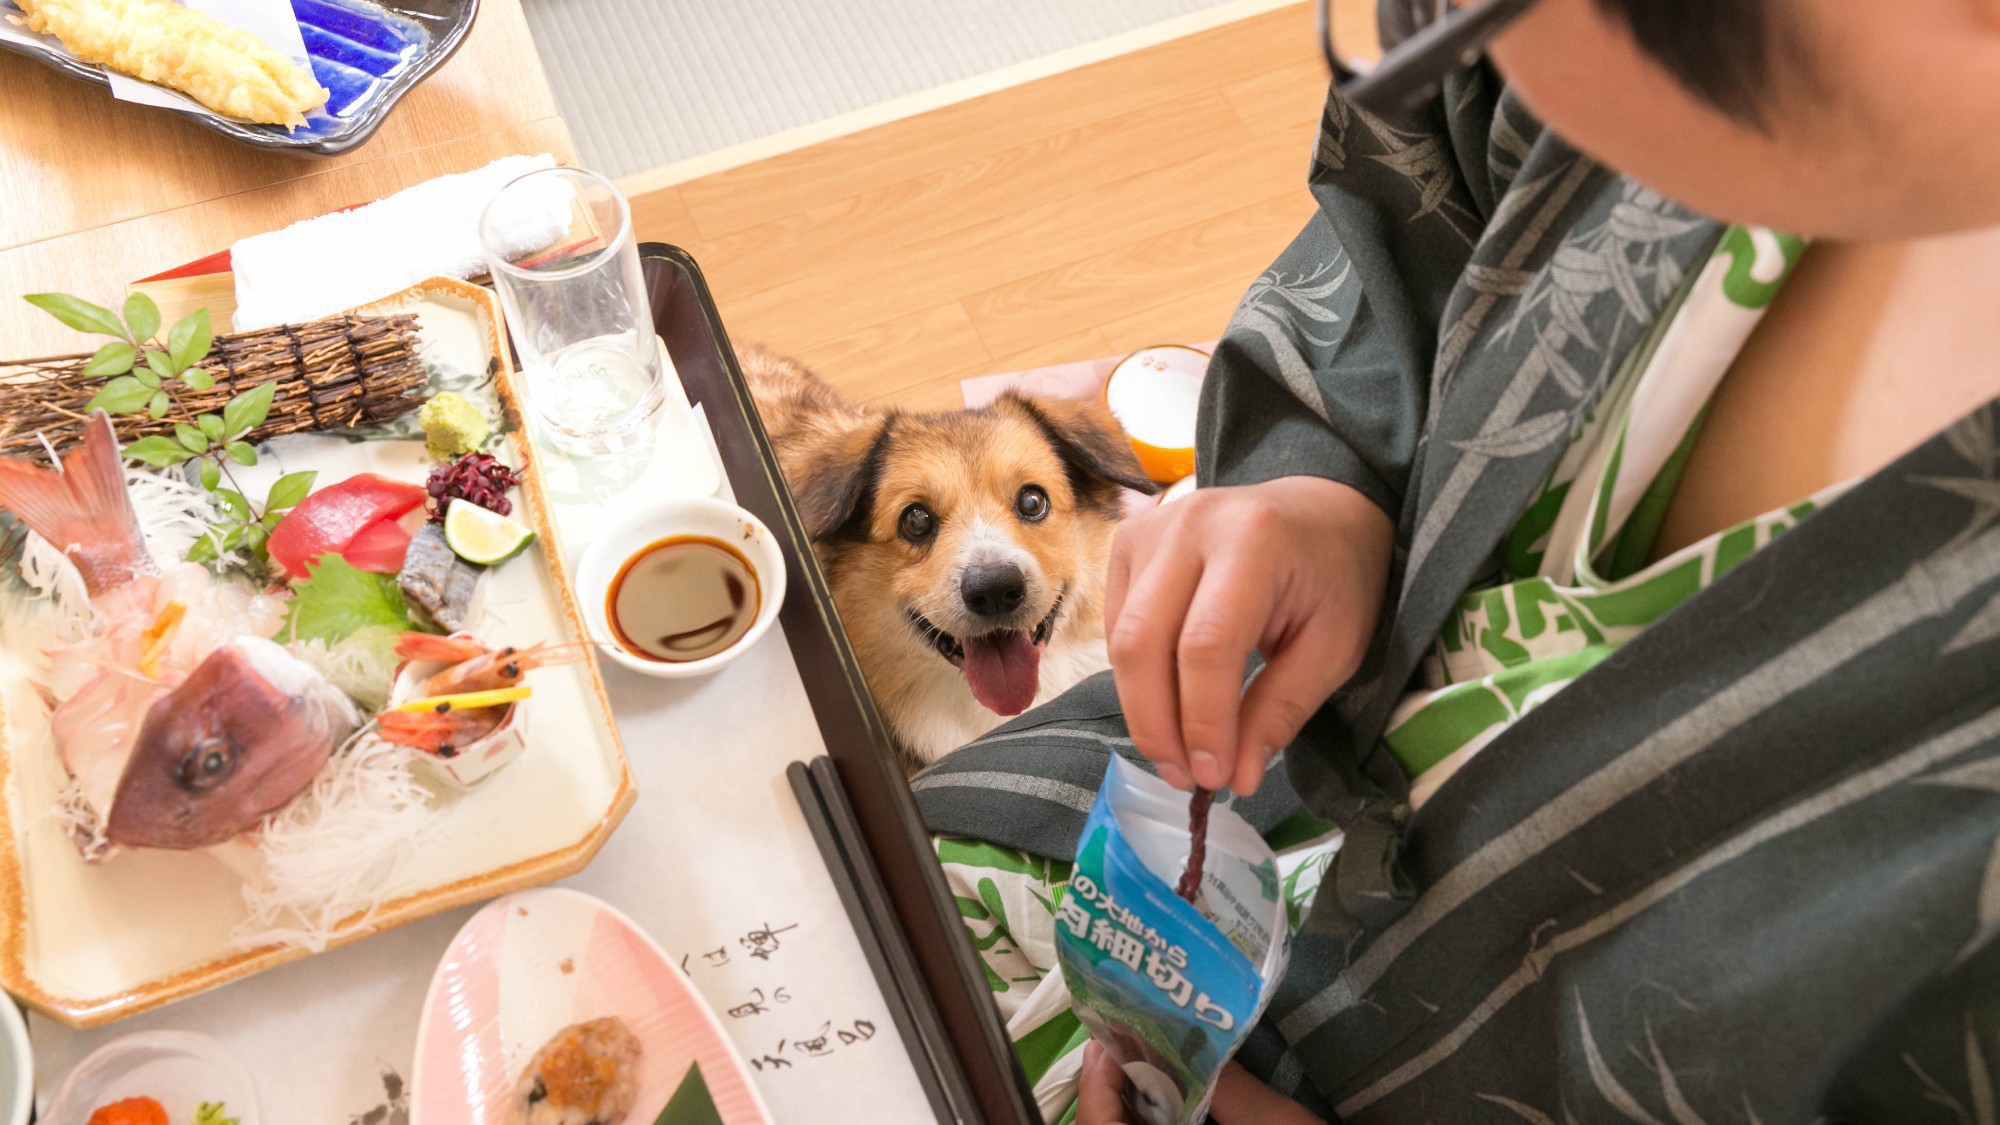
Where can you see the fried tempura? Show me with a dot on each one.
(224, 68)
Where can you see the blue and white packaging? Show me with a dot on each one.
(1169, 988)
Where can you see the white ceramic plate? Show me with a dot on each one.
(533, 963)
(17, 1075)
(92, 943)
(178, 1069)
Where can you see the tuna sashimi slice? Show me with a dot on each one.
(330, 519)
(380, 547)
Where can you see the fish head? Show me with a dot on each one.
(246, 732)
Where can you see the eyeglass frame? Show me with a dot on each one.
(1415, 69)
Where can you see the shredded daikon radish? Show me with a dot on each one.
(328, 858)
(72, 813)
(363, 665)
(172, 514)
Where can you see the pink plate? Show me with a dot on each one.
(533, 963)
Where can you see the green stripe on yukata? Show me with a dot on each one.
(1299, 828)
(1523, 560)
(1455, 717)
(1642, 527)
(1643, 603)
(1603, 513)
(1043, 1047)
(1459, 714)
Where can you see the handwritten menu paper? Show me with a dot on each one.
(715, 862)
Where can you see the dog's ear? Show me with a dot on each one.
(1090, 440)
(833, 481)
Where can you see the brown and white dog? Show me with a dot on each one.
(966, 550)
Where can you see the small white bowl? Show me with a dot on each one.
(178, 1069)
(641, 528)
(17, 1065)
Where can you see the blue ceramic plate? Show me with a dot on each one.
(367, 55)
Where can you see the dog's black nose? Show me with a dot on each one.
(991, 590)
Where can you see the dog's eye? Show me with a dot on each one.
(1031, 503)
(917, 524)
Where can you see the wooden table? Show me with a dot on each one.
(1089, 213)
(101, 193)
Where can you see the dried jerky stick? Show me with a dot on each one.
(1198, 806)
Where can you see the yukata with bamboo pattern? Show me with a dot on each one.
(1592, 835)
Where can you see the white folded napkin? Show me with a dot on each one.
(322, 266)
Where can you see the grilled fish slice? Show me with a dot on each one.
(437, 581)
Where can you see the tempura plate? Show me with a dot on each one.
(444, 24)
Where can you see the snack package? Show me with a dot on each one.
(1170, 988)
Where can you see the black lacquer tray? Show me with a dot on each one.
(856, 798)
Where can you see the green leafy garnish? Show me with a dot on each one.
(79, 314)
(246, 411)
(190, 340)
(334, 600)
(122, 395)
(213, 1113)
(289, 490)
(114, 358)
(691, 1104)
(144, 377)
(142, 316)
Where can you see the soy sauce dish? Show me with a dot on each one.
(682, 587)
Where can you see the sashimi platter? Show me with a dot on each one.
(290, 655)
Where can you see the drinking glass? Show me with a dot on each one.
(559, 245)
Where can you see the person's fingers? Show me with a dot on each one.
(1132, 546)
(1128, 544)
(1228, 612)
(1100, 1091)
(1142, 644)
(1292, 684)
(1242, 1100)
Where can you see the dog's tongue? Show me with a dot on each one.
(1000, 668)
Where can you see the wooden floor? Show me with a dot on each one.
(1103, 209)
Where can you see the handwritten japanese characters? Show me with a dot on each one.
(821, 1044)
(762, 944)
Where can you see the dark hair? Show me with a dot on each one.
(1724, 51)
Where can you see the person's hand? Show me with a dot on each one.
(1239, 1098)
(1292, 568)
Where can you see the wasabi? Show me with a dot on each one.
(452, 426)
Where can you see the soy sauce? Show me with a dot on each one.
(682, 599)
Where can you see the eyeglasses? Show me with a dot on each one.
(1415, 68)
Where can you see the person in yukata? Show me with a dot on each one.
(1625, 574)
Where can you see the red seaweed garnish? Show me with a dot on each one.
(475, 477)
(1198, 806)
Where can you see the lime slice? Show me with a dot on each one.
(478, 535)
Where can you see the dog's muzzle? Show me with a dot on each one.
(948, 646)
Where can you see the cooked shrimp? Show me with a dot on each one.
(471, 666)
(443, 733)
(474, 667)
